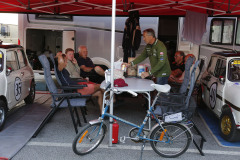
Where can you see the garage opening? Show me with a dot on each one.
(39, 41)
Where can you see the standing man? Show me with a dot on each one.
(157, 53)
(88, 69)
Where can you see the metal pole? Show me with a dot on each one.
(112, 60)
(229, 6)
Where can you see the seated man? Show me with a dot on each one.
(177, 66)
(69, 69)
(72, 65)
(181, 78)
(88, 69)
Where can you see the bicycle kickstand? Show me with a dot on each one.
(143, 145)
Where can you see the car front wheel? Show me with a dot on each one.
(228, 128)
(3, 111)
(30, 98)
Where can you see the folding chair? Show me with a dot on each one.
(61, 99)
(171, 103)
(56, 71)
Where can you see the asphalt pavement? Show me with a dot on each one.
(54, 142)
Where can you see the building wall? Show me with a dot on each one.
(11, 33)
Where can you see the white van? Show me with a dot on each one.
(16, 79)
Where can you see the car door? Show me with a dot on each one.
(209, 84)
(220, 76)
(25, 73)
(14, 79)
(213, 84)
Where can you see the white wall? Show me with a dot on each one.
(98, 39)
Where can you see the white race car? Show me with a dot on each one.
(220, 91)
(16, 79)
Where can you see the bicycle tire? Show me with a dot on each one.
(89, 138)
(178, 135)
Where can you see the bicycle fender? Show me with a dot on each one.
(95, 121)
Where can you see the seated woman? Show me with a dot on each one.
(64, 76)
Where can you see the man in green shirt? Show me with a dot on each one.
(156, 51)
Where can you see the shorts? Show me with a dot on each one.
(94, 77)
(86, 90)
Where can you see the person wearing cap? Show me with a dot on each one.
(156, 51)
(66, 79)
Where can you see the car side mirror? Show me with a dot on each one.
(8, 71)
(221, 79)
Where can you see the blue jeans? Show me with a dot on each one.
(162, 80)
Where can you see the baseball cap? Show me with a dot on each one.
(120, 83)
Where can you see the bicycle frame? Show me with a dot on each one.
(149, 112)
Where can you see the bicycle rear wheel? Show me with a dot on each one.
(89, 138)
(175, 140)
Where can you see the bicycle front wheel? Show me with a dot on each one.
(89, 138)
(173, 142)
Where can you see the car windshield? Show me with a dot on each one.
(1, 61)
(234, 70)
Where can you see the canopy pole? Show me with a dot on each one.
(229, 6)
(29, 5)
(112, 61)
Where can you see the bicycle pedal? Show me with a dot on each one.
(122, 139)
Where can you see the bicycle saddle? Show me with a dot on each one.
(161, 88)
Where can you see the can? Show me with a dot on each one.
(124, 68)
(141, 68)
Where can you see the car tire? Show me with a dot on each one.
(30, 98)
(227, 125)
(3, 111)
